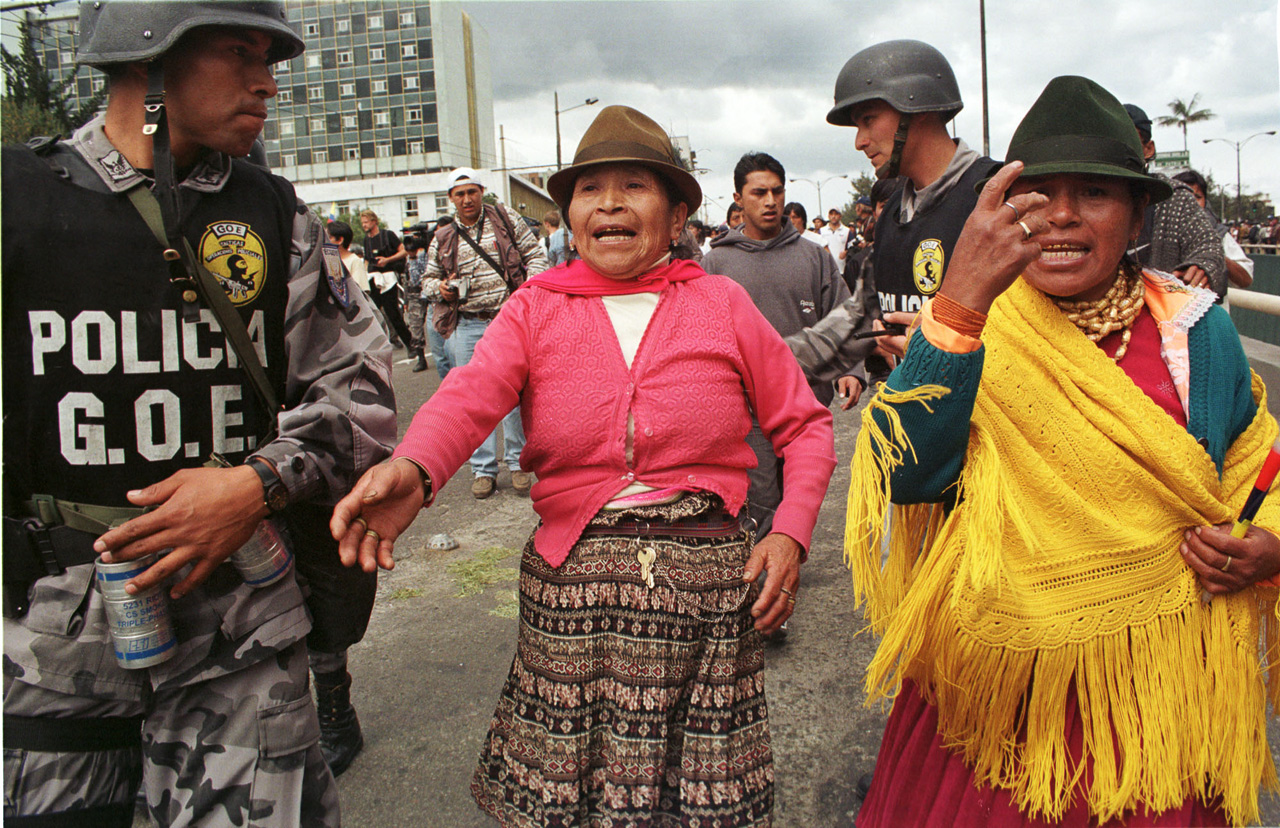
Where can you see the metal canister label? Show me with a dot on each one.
(111, 577)
(140, 626)
(265, 558)
(138, 613)
(134, 652)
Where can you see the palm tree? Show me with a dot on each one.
(1184, 112)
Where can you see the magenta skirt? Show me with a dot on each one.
(918, 782)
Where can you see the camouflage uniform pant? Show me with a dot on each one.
(415, 317)
(229, 729)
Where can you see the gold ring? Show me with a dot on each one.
(1016, 214)
(791, 601)
(788, 592)
(372, 533)
(362, 522)
(1026, 230)
(1227, 565)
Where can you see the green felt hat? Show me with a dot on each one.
(1076, 126)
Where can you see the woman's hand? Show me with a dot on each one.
(779, 555)
(1225, 564)
(994, 247)
(382, 505)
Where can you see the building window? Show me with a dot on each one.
(442, 203)
(375, 21)
(317, 124)
(289, 159)
(349, 122)
(286, 127)
(409, 50)
(313, 61)
(351, 153)
(377, 53)
(284, 96)
(382, 151)
(66, 58)
(312, 29)
(413, 116)
(344, 25)
(347, 90)
(379, 86)
(410, 81)
(344, 58)
(415, 148)
(382, 119)
(315, 93)
(97, 83)
(407, 19)
(411, 207)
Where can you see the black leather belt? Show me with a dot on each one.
(718, 523)
(485, 315)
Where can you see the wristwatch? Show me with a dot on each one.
(274, 495)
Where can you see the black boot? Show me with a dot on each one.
(421, 364)
(340, 736)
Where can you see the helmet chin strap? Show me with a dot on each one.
(167, 195)
(157, 126)
(890, 170)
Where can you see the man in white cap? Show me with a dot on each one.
(473, 265)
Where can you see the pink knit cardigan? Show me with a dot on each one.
(707, 359)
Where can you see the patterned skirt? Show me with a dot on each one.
(636, 697)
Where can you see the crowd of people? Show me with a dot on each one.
(1060, 432)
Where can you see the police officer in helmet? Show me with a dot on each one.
(182, 364)
(900, 95)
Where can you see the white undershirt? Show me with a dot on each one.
(630, 314)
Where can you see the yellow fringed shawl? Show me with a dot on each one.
(1060, 564)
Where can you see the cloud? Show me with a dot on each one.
(738, 76)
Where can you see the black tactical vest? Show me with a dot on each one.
(106, 387)
(910, 259)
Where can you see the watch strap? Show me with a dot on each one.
(272, 486)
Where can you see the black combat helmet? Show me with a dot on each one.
(908, 75)
(125, 31)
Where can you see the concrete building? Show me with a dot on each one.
(389, 96)
(401, 201)
(385, 88)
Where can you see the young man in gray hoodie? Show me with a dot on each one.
(793, 283)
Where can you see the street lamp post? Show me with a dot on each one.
(819, 186)
(1238, 145)
(587, 102)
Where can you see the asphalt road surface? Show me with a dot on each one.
(428, 674)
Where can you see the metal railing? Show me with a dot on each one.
(1253, 300)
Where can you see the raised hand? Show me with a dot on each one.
(996, 244)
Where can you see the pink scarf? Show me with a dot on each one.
(578, 279)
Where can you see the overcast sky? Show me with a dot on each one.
(740, 76)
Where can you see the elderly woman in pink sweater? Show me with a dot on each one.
(636, 694)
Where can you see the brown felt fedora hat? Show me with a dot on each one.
(622, 135)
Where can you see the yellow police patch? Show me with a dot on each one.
(236, 256)
(926, 266)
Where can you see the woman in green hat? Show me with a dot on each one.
(1070, 631)
(636, 696)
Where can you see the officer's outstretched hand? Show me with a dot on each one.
(382, 505)
(203, 515)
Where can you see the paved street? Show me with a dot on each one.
(428, 674)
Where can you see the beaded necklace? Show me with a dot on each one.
(1117, 311)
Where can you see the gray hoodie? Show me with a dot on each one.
(793, 282)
